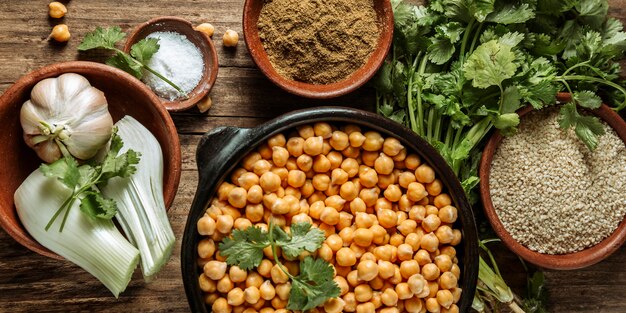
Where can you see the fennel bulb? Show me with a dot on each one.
(91, 243)
(141, 208)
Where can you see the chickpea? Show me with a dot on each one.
(407, 226)
(321, 182)
(345, 220)
(392, 146)
(425, 174)
(338, 176)
(405, 179)
(430, 271)
(365, 307)
(397, 277)
(270, 182)
(335, 242)
(252, 294)
(432, 305)
(264, 269)
(458, 236)
(385, 269)
(237, 275)
(255, 194)
(363, 237)
(282, 290)
(224, 223)
(267, 291)
(334, 305)
(444, 298)
(347, 235)
(363, 220)
(206, 248)
(215, 270)
(356, 139)
(368, 158)
(230, 38)
(405, 252)
(325, 252)
(339, 140)
(442, 200)
(369, 196)
(383, 164)
(259, 168)
(345, 257)
(448, 214)
(453, 309)
(295, 146)
(267, 310)
(431, 223)
(445, 234)
(403, 291)
(434, 188)
(416, 192)
(447, 280)
(443, 262)
(373, 141)
(379, 234)
(225, 285)
(221, 305)
(389, 310)
(363, 293)
(368, 178)
(206, 284)
(350, 166)
(431, 209)
(393, 193)
(335, 202)
(430, 242)
(358, 250)
(329, 216)
(417, 283)
(206, 225)
(413, 240)
(350, 302)
(357, 206)
(211, 298)
(396, 240)
(60, 33)
(254, 279)
(235, 297)
(367, 270)
(342, 283)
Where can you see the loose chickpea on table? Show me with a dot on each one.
(388, 223)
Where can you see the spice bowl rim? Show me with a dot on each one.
(569, 261)
(9, 220)
(199, 39)
(358, 78)
(221, 149)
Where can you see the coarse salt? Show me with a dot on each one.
(179, 60)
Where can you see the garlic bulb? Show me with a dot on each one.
(66, 115)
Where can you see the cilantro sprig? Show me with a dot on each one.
(133, 63)
(312, 287)
(83, 180)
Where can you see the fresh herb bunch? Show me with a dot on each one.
(83, 180)
(312, 287)
(133, 63)
(459, 68)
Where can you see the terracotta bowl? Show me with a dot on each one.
(125, 95)
(251, 12)
(201, 40)
(568, 261)
(221, 150)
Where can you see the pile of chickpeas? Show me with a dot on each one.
(389, 225)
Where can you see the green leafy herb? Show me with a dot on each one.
(83, 180)
(133, 63)
(312, 287)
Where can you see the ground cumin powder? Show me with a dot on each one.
(318, 41)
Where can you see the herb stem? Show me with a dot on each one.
(466, 35)
(476, 35)
(157, 74)
(565, 78)
(270, 234)
(420, 109)
(409, 97)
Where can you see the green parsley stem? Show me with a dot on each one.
(565, 78)
(420, 109)
(270, 234)
(157, 74)
(409, 97)
(466, 35)
(476, 35)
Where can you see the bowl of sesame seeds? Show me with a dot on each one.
(549, 198)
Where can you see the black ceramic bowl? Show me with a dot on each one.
(221, 149)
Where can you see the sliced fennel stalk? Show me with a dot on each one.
(93, 244)
(141, 208)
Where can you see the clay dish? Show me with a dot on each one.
(201, 40)
(251, 12)
(125, 96)
(568, 261)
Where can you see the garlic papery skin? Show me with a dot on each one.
(66, 115)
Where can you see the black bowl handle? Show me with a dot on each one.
(216, 147)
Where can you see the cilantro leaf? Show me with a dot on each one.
(245, 248)
(313, 286)
(490, 64)
(510, 12)
(126, 63)
(568, 115)
(144, 49)
(303, 237)
(114, 165)
(440, 51)
(65, 170)
(95, 205)
(587, 99)
(480, 9)
(588, 128)
(382, 80)
(102, 38)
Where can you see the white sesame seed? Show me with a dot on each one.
(552, 194)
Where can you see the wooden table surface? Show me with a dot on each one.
(242, 96)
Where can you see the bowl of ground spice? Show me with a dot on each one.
(550, 199)
(185, 56)
(318, 49)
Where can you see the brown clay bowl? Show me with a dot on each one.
(251, 12)
(576, 260)
(125, 95)
(201, 40)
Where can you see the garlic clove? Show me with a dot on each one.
(70, 85)
(88, 137)
(44, 96)
(29, 118)
(48, 150)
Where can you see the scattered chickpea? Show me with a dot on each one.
(230, 38)
(57, 9)
(206, 28)
(60, 33)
